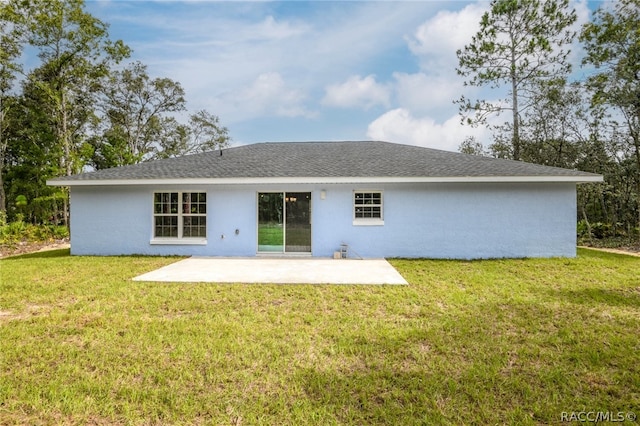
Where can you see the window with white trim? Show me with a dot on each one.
(367, 206)
(179, 215)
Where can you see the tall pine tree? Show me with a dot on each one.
(520, 43)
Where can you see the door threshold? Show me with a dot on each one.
(283, 255)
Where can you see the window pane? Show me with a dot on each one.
(157, 202)
(367, 198)
(202, 203)
(173, 203)
(169, 206)
(368, 212)
(194, 203)
(367, 205)
(165, 202)
(166, 226)
(194, 226)
(186, 203)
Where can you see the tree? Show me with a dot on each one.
(612, 44)
(72, 110)
(470, 145)
(556, 125)
(75, 53)
(207, 132)
(138, 124)
(520, 43)
(32, 153)
(135, 121)
(10, 50)
(203, 133)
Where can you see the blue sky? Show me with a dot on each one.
(301, 71)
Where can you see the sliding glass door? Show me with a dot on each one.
(271, 222)
(297, 222)
(284, 222)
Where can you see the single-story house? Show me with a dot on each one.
(377, 199)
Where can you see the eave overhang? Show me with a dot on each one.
(324, 180)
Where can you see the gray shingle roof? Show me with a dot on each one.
(367, 159)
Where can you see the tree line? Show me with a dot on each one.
(591, 124)
(84, 104)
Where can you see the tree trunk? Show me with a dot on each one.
(586, 221)
(67, 150)
(514, 100)
(3, 196)
(636, 142)
(638, 205)
(3, 150)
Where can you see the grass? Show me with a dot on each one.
(483, 342)
(273, 235)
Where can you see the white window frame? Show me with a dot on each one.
(368, 221)
(180, 239)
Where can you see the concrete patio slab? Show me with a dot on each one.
(277, 270)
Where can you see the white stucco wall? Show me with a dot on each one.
(462, 221)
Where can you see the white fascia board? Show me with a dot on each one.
(326, 180)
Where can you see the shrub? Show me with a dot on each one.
(13, 232)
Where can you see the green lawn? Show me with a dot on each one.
(483, 342)
(273, 235)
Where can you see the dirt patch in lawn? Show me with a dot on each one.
(25, 247)
(631, 251)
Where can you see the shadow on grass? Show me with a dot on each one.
(372, 396)
(592, 296)
(42, 255)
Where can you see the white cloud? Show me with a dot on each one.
(400, 126)
(256, 61)
(267, 95)
(425, 93)
(357, 92)
(272, 29)
(426, 115)
(246, 61)
(436, 41)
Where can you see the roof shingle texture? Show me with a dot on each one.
(326, 160)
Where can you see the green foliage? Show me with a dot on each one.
(555, 124)
(138, 125)
(18, 230)
(597, 230)
(208, 133)
(73, 111)
(21, 201)
(471, 146)
(592, 125)
(612, 44)
(76, 53)
(520, 43)
(135, 108)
